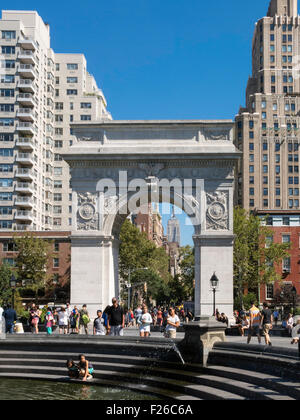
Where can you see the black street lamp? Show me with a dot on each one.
(13, 285)
(294, 293)
(214, 281)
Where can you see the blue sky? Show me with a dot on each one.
(159, 59)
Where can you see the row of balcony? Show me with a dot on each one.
(26, 127)
(26, 99)
(27, 43)
(27, 70)
(27, 57)
(27, 85)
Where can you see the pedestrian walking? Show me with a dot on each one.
(173, 322)
(116, 319)
(84, 319)
(145, 323)
(276, 317)
(255, 321)
(10, 317)
(35, 315)
(63, 321)
(267, 323)
(138, 314)
(50, 321)
(69, 314)
(99, 328)
(290, 324)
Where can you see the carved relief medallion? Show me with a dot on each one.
(217, 217)
(87, 217)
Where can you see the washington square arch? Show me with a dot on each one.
(117, 165)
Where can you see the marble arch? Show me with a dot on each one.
(151, 151)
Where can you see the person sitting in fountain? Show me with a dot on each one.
(86, 369)
(73, 369)
(145, 323)
(173, 322)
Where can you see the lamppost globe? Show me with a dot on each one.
(13, 282)
(214, 281)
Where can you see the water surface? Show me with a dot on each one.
(21, 389)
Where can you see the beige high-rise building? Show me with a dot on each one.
(41, 93)
(268, 128)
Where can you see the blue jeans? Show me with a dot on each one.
(9, 329)
(117, 331)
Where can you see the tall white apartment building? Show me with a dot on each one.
(41, 93)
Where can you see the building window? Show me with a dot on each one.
(286, 265)
(9, 261)
(72, 66)
(5, 224)
(58, 171)
(57, 197)
(72, 92)
(286, 239)
(6, 168)
(88, 105)
(86, 118)
(269, 291)
(55, 262)
(72, 79)
(56, 246)
(8, 34)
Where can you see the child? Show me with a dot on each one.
(72, 369)
(296, 333)
(49, 321)
(86, 369)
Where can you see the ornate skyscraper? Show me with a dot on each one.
(173, 235)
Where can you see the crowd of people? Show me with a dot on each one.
(112, 321)
(260, 322)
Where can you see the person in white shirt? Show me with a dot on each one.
(173, 322)
(290, 324)
(145, 323)
(63, 321)
(69, 311)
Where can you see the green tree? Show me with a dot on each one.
(31, 262)
(138, 253)
(5, 290)
(256, 256)
(187, 271)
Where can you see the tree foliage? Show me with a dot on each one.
(256, 256)
(5, 290)
(182, 286)
(138, 253)
(31, 261)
